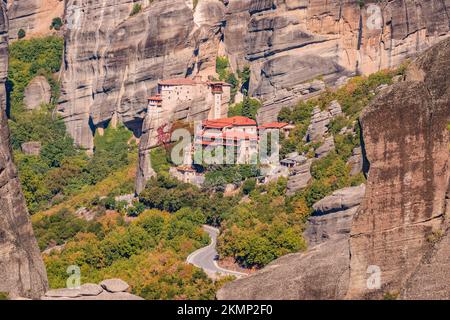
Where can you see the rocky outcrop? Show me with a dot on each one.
(113, 61)
(320, 273)
(406, 144)
(401, 227)
(33, 16)
(37, 92)
(110, 289)
(355, 161)
(293, 47)
(22, 272)
(320, 121)
(333, 215)
(299, 177)
(289, 43)
(32, 148)
(325, 148)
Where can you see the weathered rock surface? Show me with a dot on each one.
(356, 161)
(325, 148)
(288, 43)
(299, 177)
(401, 225)
(31, 148)
(33, 16)
(114, 290)
(114, 285)
(406, 143)
(320, 121)
(114, 61)
(37, 92)
(320, 273)
(340, 200)
(22, 272)
(333, 215)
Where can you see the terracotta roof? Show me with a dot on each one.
(178, 82)
(155, 98)
(274, 125)
(227, 122)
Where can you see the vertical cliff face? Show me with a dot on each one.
(22, 271)
(113, 60)
(404, 213)
(288, 43)
(401, 227)
(33, 16)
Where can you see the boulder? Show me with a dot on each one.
(90, 289)
(299, 177)
(114, 285)
(326, 147)
(318, 126)
(37, 92)
(339, 200)
(32, 148)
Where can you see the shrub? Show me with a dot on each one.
(21, 34)
(137, 7)
(56, 23)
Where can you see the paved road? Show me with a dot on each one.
(206, 257)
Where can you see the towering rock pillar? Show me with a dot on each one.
(22, 272)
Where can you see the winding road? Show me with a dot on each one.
(206, 257)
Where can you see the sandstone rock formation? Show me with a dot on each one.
(325, 148)
(320, 273)
(290, 42)
(113, 61)
(22, 272)
(33, 16)
(401, 226)
(333, 215)
(299, 177)
(36, 93)
(110, 289)
(31, 148)
(406, 145)
(355, 161)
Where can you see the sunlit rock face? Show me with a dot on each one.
(113, 61)
(22, 271)
(288, 43)
(33, 16)
(396, 242)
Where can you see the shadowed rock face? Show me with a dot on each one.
(22, 272)
(401, 225)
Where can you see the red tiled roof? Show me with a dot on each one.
(155, 98)
(178, 82)
(227, 122)
(274, 125)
